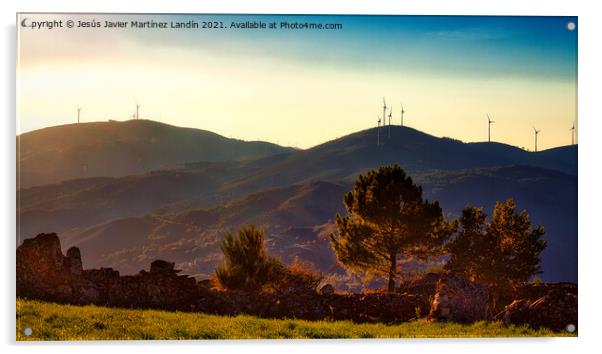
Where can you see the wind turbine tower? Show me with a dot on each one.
(384, 111)
(572, 134)
(137, 111)
(78, 111)
(489, 127)
(402, 112)
(378, 131)
(536, 132)
(390, 116)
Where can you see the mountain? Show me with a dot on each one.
(204, 184)
(415, 151)
(298, 219)
(182, 213)
(112, 149)
(295, 218)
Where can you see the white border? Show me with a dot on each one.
(589, 166)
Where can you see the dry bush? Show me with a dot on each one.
(299, 277)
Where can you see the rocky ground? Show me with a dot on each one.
(44, 273)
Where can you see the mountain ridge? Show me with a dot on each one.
(129, 219)
(115, 149)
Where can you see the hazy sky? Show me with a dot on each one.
(303, 87)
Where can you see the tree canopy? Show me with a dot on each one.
(387, 218)
(502, 253)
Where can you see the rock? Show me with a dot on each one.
(205, 283)
(428, 279)
(161, 266)
(42, 270)
(424, 289)
(459, 300)
(44, 273)
(43, 252)
(556, 310)
(327, 290)
(74, 261)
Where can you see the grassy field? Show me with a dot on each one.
(50, 321)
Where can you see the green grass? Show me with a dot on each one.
(50, 321)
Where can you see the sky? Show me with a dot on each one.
(302, 87)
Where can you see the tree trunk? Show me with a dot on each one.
(392, 272)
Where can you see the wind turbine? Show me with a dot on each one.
(137, 110)
(402, 112)
(536, 132)
(572, 134)
(378, 131)
(390, 116)
(78, 110)
(489, 127)
(384, 111)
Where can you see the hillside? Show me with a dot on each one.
(182, 213)
(415, 151)
(50, 321)
(298, 219)
(294, 217)
(110, 149)
(204, 184)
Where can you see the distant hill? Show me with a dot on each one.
(181, 213)
(415, 151)
(298, 219)
(112, 149)
(293, 217)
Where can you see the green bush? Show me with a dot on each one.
(247, 266)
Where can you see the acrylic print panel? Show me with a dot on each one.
(285, 176)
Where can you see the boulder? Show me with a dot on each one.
(161, 266)
(42, 252)
(74, 261)
(556, 311)
(424, 289)
(42, 270)
(459, 300)
(327, 290)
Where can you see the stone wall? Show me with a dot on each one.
(553, 306)
(43, 272)
(459, 300)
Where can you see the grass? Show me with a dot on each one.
(49, 321)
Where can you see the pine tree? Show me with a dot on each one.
(502, 253)
(247, 266)
(387, 219)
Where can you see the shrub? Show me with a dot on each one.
(247, 266)
(299, 276)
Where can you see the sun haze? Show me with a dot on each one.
(301, 87)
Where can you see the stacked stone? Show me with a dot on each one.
(459, 300)
(556, 310)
